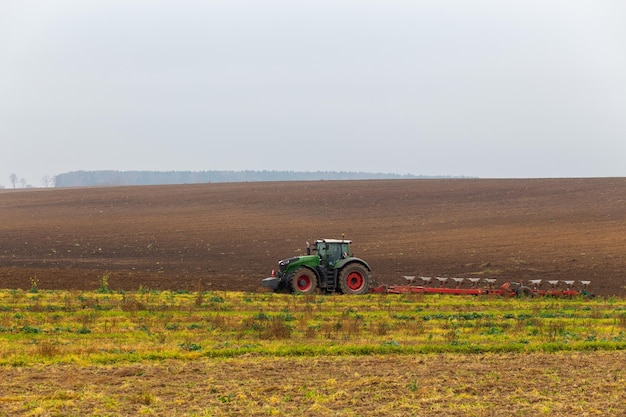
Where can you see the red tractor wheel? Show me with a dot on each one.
(354, 279)
(303, 281)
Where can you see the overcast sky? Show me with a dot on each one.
(471, 87)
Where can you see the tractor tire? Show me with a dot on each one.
(303, 281)
(354, 279)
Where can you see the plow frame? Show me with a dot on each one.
(506, 290)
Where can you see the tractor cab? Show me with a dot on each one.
(330, 250)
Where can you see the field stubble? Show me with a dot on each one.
(223, 353)
(580, 384)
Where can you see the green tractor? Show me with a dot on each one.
(327, 266)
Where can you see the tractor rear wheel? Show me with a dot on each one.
(354, 279)
(303, 281)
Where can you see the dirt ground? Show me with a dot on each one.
(570, 384)
(229, 236)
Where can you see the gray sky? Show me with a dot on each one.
(474, 87)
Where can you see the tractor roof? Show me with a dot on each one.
(333, 241)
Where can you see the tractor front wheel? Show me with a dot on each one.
(303, 281)
(354, 279)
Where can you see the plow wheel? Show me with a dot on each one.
(524, 292)
(304, 281)
(354, 279)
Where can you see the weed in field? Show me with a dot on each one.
(129, 303)
(225, 399)
(190, 346)
(413, 386)
(35, 305)
(216, 322)
(159, 337)
(494, 330)
(34, 284)
(144, 398)
(519, 326)
(275, 329)
(451, 336)
(30, 330)
(382, 329)
(414, 328)
(199, 300)
(104, 285)
(553, 330)
(87, 302)
(311, 332)
(329, 330)
(16, 296)
(68, 302)
(172, 326)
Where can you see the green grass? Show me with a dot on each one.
(105, 327)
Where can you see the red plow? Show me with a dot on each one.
(487, 286)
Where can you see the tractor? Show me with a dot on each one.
(328, 266)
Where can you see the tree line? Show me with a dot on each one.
(119, 178)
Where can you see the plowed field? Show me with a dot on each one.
(229, 236)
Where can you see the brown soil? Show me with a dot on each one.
(230, 236)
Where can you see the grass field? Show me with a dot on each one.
(234, 353)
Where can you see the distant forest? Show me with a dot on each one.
(118, 178)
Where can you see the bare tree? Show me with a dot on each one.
(23, 182)
(47, 181)
(13, 179)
